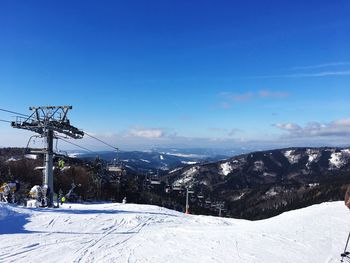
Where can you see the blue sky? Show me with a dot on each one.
(181, 73)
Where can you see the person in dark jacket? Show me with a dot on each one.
(347, 197)
(18, 186)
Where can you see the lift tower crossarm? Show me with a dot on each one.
(47, 121)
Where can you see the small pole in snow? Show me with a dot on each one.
(347, 242)
(345, 254)
(220, 207)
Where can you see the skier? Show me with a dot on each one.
(63, 200)
(59, 196)
(15, 188)
(346, 254)
(18, 186)
(61, 164)
(45, 195)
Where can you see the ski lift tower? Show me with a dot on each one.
(188, 191)
(49, 122)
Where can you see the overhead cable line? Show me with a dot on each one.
(5, 121)
(110, 145)
(86, 149)
(13, 112)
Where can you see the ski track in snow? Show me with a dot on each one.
(142, 233)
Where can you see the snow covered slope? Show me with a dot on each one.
(143, 233)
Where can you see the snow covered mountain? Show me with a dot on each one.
(279, 180)
(270, 166)
(142, 233)
(160, 159)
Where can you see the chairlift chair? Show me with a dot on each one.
(29, 150)
(117, 166)
(65, 168)
(177, 188)
(208, 201)
(113, 168)
(39, 168)
(200, 196)
(190, 191)
(155, 181)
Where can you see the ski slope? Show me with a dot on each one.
(143, 233)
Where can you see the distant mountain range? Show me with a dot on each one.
(162, 159)
(256, 184)
(252, 185)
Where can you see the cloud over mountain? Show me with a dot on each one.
(336, 128)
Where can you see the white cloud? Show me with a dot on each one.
(217, 129)
(270, 94)
(307, 75)
(334, 133)
(146, 133)
(242, 97)
(325, 74)
(342, 122)
(324, 65)
(225, 105)
(231, 97)
(233, 132)
(337, 128)
(287, 126)
(238, 97)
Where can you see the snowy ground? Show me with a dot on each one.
(142, 233)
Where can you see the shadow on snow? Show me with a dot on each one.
(97, 211)
(12, 222)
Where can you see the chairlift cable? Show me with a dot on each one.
(13, 112)
(5, 121)
(115, 148)
(19, 115)
(84, 148)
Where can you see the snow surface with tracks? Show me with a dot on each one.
(116, 232)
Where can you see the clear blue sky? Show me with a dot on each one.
(181, 73)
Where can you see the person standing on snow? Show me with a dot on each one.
(347, 197)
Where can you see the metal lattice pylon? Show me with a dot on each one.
(49, 121)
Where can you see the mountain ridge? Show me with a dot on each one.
(279, 179)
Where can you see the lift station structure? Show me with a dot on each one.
(49, 122)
